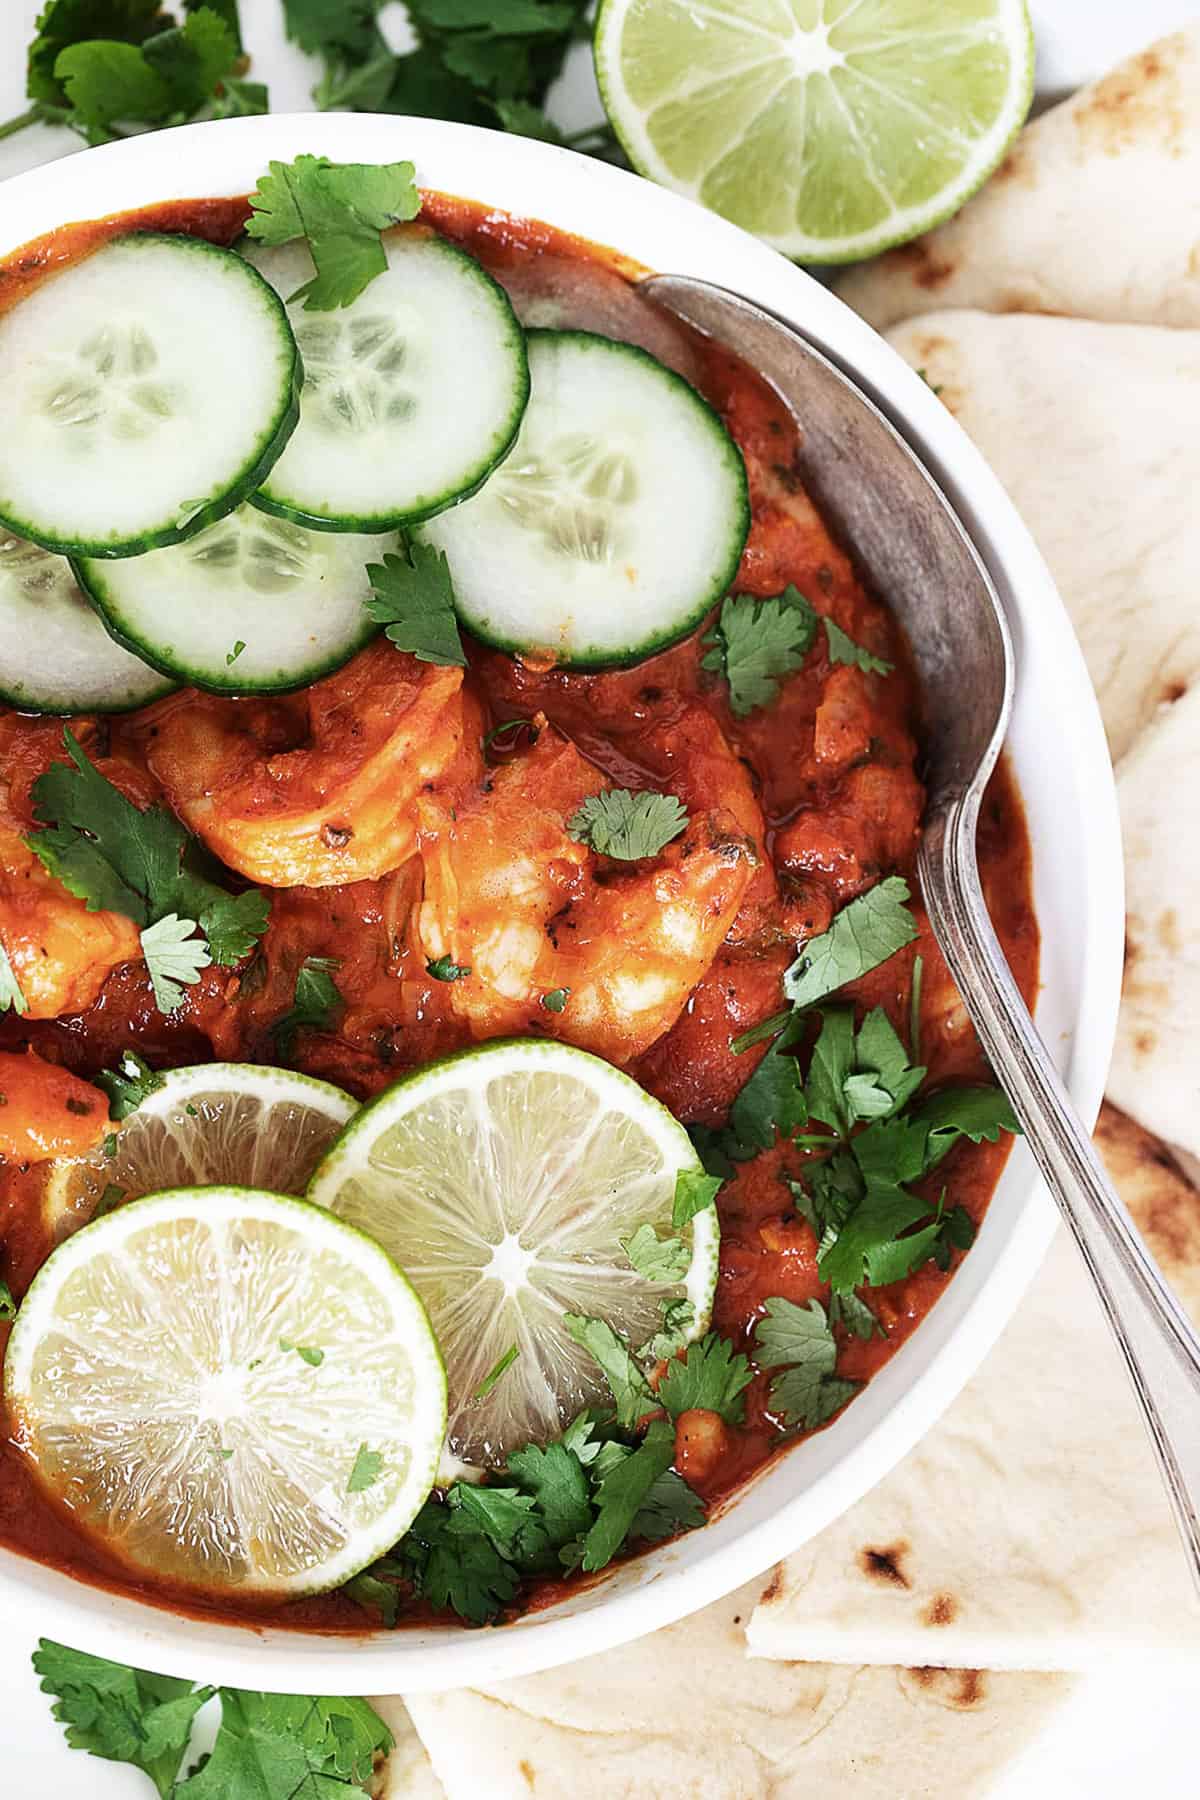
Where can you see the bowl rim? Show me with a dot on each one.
(1056, 711)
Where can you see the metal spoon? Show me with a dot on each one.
(880, 499)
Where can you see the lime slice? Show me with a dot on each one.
(831, 128)
(503, 1181)
(237, 1124)
(229, 1389)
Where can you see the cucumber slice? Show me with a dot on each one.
(55, 655)
(616, 523)
(147, 390)
(411, 395)
(253, 605)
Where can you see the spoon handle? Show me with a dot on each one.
(1161, 1350)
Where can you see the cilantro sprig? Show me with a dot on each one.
(143, 864)
(799, 1340)
(268, 1746)
(339, 209)
(413, 596)
(628, 825)
(755, 643)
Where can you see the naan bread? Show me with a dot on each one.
(1156, 1065)
(1030, 1529)
(685, 1715)
(1092, 429)
(1095, 213)
(408, 1773)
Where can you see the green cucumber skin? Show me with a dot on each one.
(375, 523)
(216, 508)
(23, 704)
(187, 676)
(722, 579)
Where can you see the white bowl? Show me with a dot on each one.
(1056, 745)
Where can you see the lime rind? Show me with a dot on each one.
(151, 1380)
(698, 145)
(503, 1179)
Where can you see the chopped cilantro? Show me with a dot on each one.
(799, 1340)
(624, 1490)
(710, 1376)
(556, 1478)
(110, 1145)
(556, 999)
(368, 1467)
(626, 825)
(8, 1306)
(756, 642)
(864, 934)
(131, 1082)
(10, 987)
(307, 1352)
(658, 1259)
(444, 968)
(914, 1009)
(630, 1389)
(340, 210)
(112, 1196)
(231, 656)
(117, 858)
(843, 649)
(498, 1368)
(316, 1002)
(670, 1505)
(971, 1112)
(678, 1318)
(771, 1102)
(174, 957)
(413, 596)
(852, 1312)
(694, 1192)
(452, 1563)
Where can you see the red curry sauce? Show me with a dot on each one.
(834, 765)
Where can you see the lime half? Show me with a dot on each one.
(233, 1124)
(503, 1181)
(229, 1390)
(831, 128)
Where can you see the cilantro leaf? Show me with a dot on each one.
(756, 642)
(115, 857)
(414, 597)
(308, 1353)
(315, 1006)
(623, 1492)
(972, 1112)
(799, 1340)
(555, 1001)
(854, 1313)
(120, 1714)
(678, 1317)
(452, 1563)
(772, 1102)
(843, 649)
(670, 1506)
(658, 1259)
(626, 825)
(106, 82)
(174, 956)
(131, 1082)
(10, 987)
(557, 1480)
(506, 1516)
(190, 59)
(630, 1390)
(831, 1068)
(65, 22)
(8, 1306)
(694, 1192)
(288, 1747)
(864, 934)
(368, 1467)
(710, 1376)
(370, 1590)
(340, 209)
(444, 968)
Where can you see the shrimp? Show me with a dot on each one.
(47, 1111)
(60, 953)
(525, 915)
(318, 789)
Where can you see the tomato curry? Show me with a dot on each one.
(824, 784)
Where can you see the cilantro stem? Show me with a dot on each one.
(757, 1034)
(10, 126)
(914, 1020)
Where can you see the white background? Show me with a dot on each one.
(1120, 1734)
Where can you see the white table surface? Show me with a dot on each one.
(1119, 1735)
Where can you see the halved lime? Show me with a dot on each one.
(503, 1181)
(236, 1124)
(831, 128)
(229, 1389)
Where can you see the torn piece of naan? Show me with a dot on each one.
(686, 1715)
(1095, 212)
(407, 1773)
(1156, 1064)
(1030, 1528)
(1091, 428)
